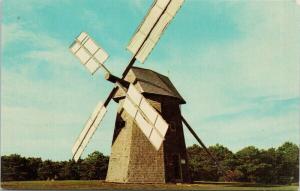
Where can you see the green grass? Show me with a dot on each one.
(101, 185)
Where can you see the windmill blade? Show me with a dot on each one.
(152, 27)
(154, 24)
(88, 131)
(147, 118)
(91, 55)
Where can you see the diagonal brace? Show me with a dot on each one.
(201, 143)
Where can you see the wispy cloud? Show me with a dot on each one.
(262, 132)
(16, 33)
(16, 9)
(261, 108)
(92, 19)
(12, 33)
(139, 5)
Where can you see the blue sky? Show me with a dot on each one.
(235, 63)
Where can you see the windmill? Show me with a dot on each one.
(148, 142)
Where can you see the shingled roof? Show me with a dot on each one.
(148, 81)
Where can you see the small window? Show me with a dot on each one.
(172, 126)
(182, 161)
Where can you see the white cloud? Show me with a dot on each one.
(92, 20)
(11, 33)
(138, 4)
(16, 33)
(18, 8)
(262, 132)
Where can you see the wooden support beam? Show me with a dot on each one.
(200, 142)
(115, 89)
(114, 79)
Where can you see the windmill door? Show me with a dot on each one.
(177, 170)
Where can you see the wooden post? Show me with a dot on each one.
(115, 79)
(199, 141)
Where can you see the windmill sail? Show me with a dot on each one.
(152, 27)
(88, 52)
(88, 131)
(147, 118)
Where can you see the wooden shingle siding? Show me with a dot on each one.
(134, 159)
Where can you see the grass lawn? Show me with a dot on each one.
(101, 185)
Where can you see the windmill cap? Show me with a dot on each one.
(150, 82)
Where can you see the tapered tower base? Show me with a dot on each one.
(133, 158)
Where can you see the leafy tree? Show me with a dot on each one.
(198, 163)
(248, 163)
(202, 167)
(71, 170)
(266, 173)
(232, 175)
(226, 161)
(33, 164)
(288, 163)
(49, 170)
(94, 167)
(14, 167)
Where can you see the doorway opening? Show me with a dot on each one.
(177, 167)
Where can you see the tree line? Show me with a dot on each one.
(250, 164)
(17, 168)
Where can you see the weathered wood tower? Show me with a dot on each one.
(133, 158)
